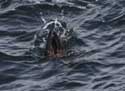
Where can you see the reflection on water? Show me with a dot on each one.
(96, 45)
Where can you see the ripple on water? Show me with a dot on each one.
(97, 63)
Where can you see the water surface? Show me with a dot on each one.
(98, 61)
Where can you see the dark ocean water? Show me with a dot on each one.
(98, 44)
